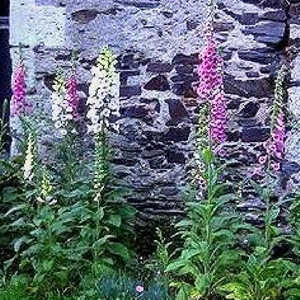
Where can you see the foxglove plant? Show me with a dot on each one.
(101, 169)
(210, 86)
(275, 146)
(103, 101)
(62, 105)
(72, 94)
(29, 158)
(20, 105)
(202, 142)
(277, 142)
(46, 188)
(212, 122)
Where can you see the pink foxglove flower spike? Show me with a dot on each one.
(72, 94)
(20, 105)
(210, 87)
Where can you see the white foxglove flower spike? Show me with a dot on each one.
(103, 98)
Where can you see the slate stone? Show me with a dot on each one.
(124, 75)
(169, 191)
(185, 69)
(250, 110)
(289, 168)
(270, 69)
(192, 24)
(226, 55)
(127, 62)
(66, 57)
(277, 15)
(245, 18)
(233, 136)
(84, 16)
(255, 134)
(269, 40)
(184, 78)
(136, 111)
(252, 74)
(140, 4)
(177, 111)
(184, 89)
(178, 89)
(183, 59)
(177, 134)
(255, 2)
(175, 157)
(247, 122)
(157, 162)
(159, 67)
(130, 91)
(259, 88)
(259, 55)
(190, 93)
(271, 4)
(294, 10)
(152, 153)
(167, 14)
(248, 18)
(124, 162)
(268, 32)
(158, 83)
(49, 81)
(234, 104)
(223, 26)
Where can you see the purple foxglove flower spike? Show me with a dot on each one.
(72, 95)
(20, 105)
(210, 87)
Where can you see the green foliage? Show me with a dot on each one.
(120, 287)
(261, 278)
(61, 235)
(264, 277)
(59, 244)
(161, 258)
(16, 290)
(208, 255)
(64, 222)
(295, 222)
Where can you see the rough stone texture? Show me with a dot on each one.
(293, 142)
(157, 43)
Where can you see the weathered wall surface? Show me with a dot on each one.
(157, 42)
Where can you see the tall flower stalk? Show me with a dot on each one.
(103, 101)
(65, 101)
(212, 120)
(101, 168)
(202, 143)
(210, 88)
(72, 94)
(46, 188)
(62, 110)
(29, 158)
(276, 149)
(20, 104)
(275, 146)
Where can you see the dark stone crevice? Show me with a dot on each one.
(283, 45)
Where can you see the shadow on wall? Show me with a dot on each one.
(5, 62)
(4, 8)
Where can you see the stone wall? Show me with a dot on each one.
(157, 42)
